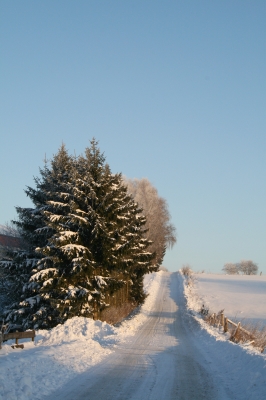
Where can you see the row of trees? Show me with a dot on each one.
(86, 238)
(245, 267)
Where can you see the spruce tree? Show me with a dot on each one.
(91, 241)
(33, 228)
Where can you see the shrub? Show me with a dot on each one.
(186, 270)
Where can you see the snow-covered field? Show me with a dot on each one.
(58, 355)
(241, 296)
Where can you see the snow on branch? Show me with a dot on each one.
(57, 203)
(100, 281)
(43, 274)
(79, 218)
(55, 218)
(31, 301)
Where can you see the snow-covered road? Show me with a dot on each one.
(162, 361)
(164, 351)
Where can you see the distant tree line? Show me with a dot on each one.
(85, 239)
(245, 267)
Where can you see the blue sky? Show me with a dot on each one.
(174, 91)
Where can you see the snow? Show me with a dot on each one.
(72, 292)
(65, 234)
(43, 274)
(69, 247)
(241, 296)
(62, 354)
(55, 218)
(100, 281)
(31, 301)
(57, 203)
(79, 218)
(80, 211)
(240, 368)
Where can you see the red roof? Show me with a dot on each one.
(10, 241)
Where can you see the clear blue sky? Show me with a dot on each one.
(174, 91)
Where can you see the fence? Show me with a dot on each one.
(225, 321)
(17, 336)
(256, 338)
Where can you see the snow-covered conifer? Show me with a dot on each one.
(33, 228)
(91, 241)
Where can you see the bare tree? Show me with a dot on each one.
(248, 267)
(9, 229)
(10, 240)
(245, 267)
(160, 231)
(231, 268)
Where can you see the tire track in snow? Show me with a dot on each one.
(160, 362)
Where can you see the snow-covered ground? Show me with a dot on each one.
(167, 351)
(58, 355)
(241, 296)
(241, 369)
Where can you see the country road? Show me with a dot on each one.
(163, 361)
(162, 351)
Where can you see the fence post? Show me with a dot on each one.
(95, 313)
(222, 319)
(237, 329)
(225, 325)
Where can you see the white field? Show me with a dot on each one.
(241, 296)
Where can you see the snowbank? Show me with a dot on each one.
(220, 292)
(58, 355)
